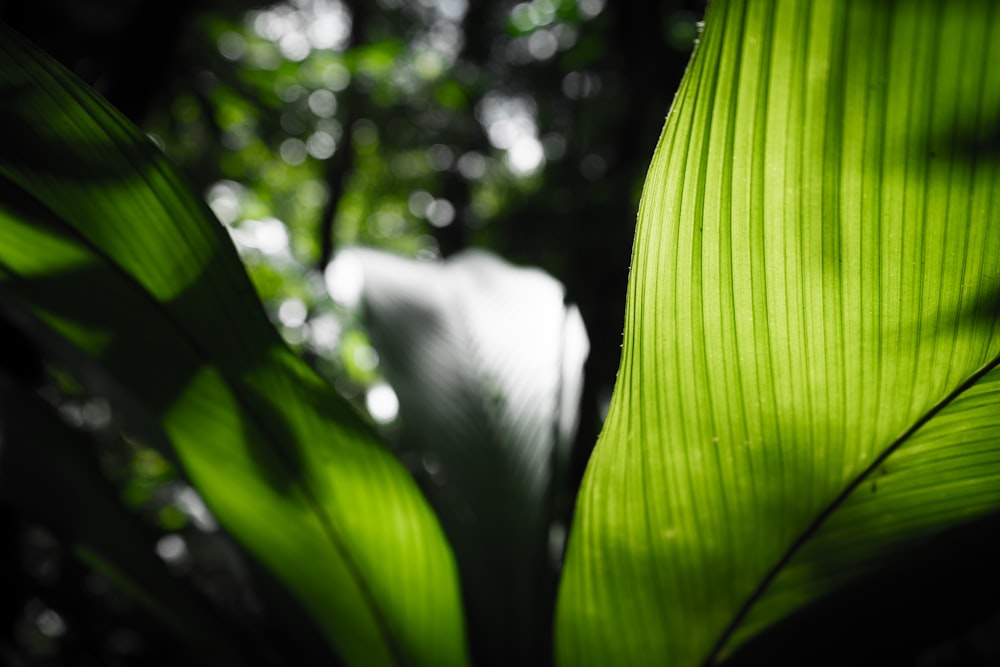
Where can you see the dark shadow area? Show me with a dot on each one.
(51, 477)
(79, 161)
(923, 595)
(976, 147)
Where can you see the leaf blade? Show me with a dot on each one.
(814, 239)
(139, 279)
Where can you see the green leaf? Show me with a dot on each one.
(487, 361)
(806, 397)
(109, 260)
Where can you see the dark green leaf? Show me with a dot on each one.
(104, 248)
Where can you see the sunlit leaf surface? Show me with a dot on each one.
(487, 360)
(107, 259)
(807, 398)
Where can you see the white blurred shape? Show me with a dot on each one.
(324, 333)
(172, 548)
(224, 200)
(50, 623)
(231, 45)
(323, 103)
(269, 235)
(366, 358)
(188, 501)
(472, 166)
(453, 10)
(293, 151)
(345, 279)
(330, 30)
(321, 145)
(336, 77)
(382, 403)
(419, 201)
(526, 155)
(292, 312)
(542, 44)
(295, 46)
(440, 213)
(590, 8)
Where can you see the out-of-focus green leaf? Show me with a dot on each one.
(104, 250)
(487, 361)
(374, 60)
(807, 401)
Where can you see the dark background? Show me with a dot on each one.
(225, 87)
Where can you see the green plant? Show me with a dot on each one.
(805, 426)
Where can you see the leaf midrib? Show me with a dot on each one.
(835, 504)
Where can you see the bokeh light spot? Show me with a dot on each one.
(365, 357)
(590, 8)
(344, 278)
(382, 403)
(418, 202)
(452, 10)
(440, 157)
(189, 502)
(50, 623)
(293, 151)
(331, 30)
(323, 103)
(224, 198)
(428, 65)
(172, 549)
(292, 312)
(231, 45)
(542, 44)
(295, 46)
(440, 213)
(321, 145)
(269, 236)
(526, 155)
(472, 166)
(324, 333)
(336, 77)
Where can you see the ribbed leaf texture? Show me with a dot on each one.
(802, 451)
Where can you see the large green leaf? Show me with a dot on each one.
(806, 398)
(108, 260)
(487, 360)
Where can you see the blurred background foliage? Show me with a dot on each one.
(420, 126)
